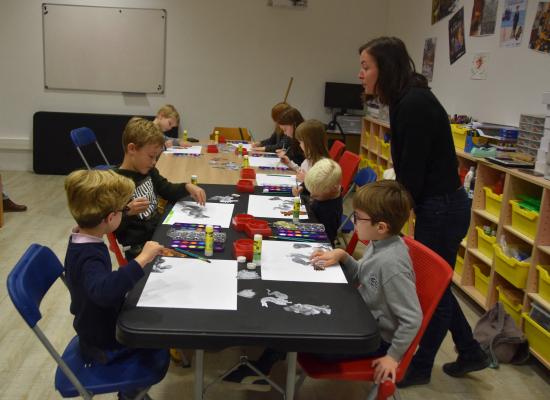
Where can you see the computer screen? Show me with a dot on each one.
(343, 95)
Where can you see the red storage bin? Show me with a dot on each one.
(245, 186)
(257, 226)
(248, 173)
(243, 247)
(239, 221)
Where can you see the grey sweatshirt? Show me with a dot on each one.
(387, 284)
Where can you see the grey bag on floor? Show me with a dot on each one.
(501, 338)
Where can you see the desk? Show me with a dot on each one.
(349, 328)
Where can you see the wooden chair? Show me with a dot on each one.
(232, 133)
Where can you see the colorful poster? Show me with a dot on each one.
(428, 58)
(484, 17)
(513, 23)
(540, 34)
(479, 66)
(442, 8)
(457, 43)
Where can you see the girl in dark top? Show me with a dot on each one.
(278, 139)
(425, 163)
(288, 121)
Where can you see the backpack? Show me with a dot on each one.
(500, 337)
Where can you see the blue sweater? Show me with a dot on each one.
(97, 292)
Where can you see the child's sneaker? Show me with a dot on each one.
(243, 378)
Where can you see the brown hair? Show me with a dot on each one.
(292, 117)
(169, 111)
(396, 70)
(384, 201)
(141, 132)
(93, 194)
(314, 136)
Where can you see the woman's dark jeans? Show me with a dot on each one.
(441, 224)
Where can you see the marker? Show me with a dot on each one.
(293, 239)
(190, 254)
(286, 176)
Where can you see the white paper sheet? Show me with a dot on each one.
(192, 213)
(282, 262)
(275, 180)
(191, 283)
(274, 162)
(246, 146)
(271, 206)
(188, 150)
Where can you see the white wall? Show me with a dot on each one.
(516, 77)
(227, 63)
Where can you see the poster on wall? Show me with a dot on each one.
(428, 58)
(513, 23)
(479, 66)
(457, 45)
(540, 34)
(442, 8)
(484, 17)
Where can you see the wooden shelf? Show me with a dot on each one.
(481, 256)
(463, 243)
(513, 231)
(544, 249)
(544, 362)
(456, 279)
(486, 215)
(540, 300)
(473, 293)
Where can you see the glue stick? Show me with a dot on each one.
(257, 255)
(296, 210)
(209, 241)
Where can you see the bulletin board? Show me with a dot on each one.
(104, 48)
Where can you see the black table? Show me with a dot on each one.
(349, 328)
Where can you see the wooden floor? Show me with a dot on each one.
(27, 371)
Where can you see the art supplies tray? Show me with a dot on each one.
(302, 226)
(291, 234)
(239, 221)
(277, 189)
(194, 227)
(243, 247)
(193, 245)
(510, 162)
(182, 234)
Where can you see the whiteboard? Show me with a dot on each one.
(104, 48)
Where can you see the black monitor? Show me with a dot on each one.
(344, 96)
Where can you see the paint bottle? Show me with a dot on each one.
(194, 179)
(217, 137)
(240, 149)
(241, 262)
(468, 180)
(185, 135)
(246, 164)
(209, 241)
(257, 255)
(296, 210)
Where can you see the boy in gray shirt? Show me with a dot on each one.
(384, 273)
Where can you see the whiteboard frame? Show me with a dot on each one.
(133, 62)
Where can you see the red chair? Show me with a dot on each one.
(336, 150)
(114, 247)
(349, 162)
(433, 275)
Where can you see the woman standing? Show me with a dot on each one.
(425, 163)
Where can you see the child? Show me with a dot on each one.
(385, 277)
(288, 122)
(96, 200)
(278, 139)
(323, 183)
(168, 118)
(143, 142)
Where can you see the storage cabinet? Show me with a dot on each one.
(482, 270)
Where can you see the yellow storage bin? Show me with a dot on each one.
(524, 221)
(380, 171)
(511, 307)
(459, 265)
(485, 243)
(514, 271)
(493, 201)
(372, 164)
(544, 281)
(385, 149)
(459, 135)
(481, 282)
(538, 337)
(363, 163)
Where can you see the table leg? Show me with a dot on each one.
(290, 375)
(199, 374)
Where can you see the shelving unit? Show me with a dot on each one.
(487, 211)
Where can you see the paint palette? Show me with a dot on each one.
(180, 234)
(277, 168)
(303, 226)
(277, 189)
(193, 245)
(194, 227)
(266, 155)
(300, 234)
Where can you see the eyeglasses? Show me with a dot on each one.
(355, 218)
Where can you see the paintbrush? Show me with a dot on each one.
(292, 239)
(190, 254)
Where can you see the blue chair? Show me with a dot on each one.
(28, 282)
(82, 137)
(363, 176)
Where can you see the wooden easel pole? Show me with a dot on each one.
(288, 88)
